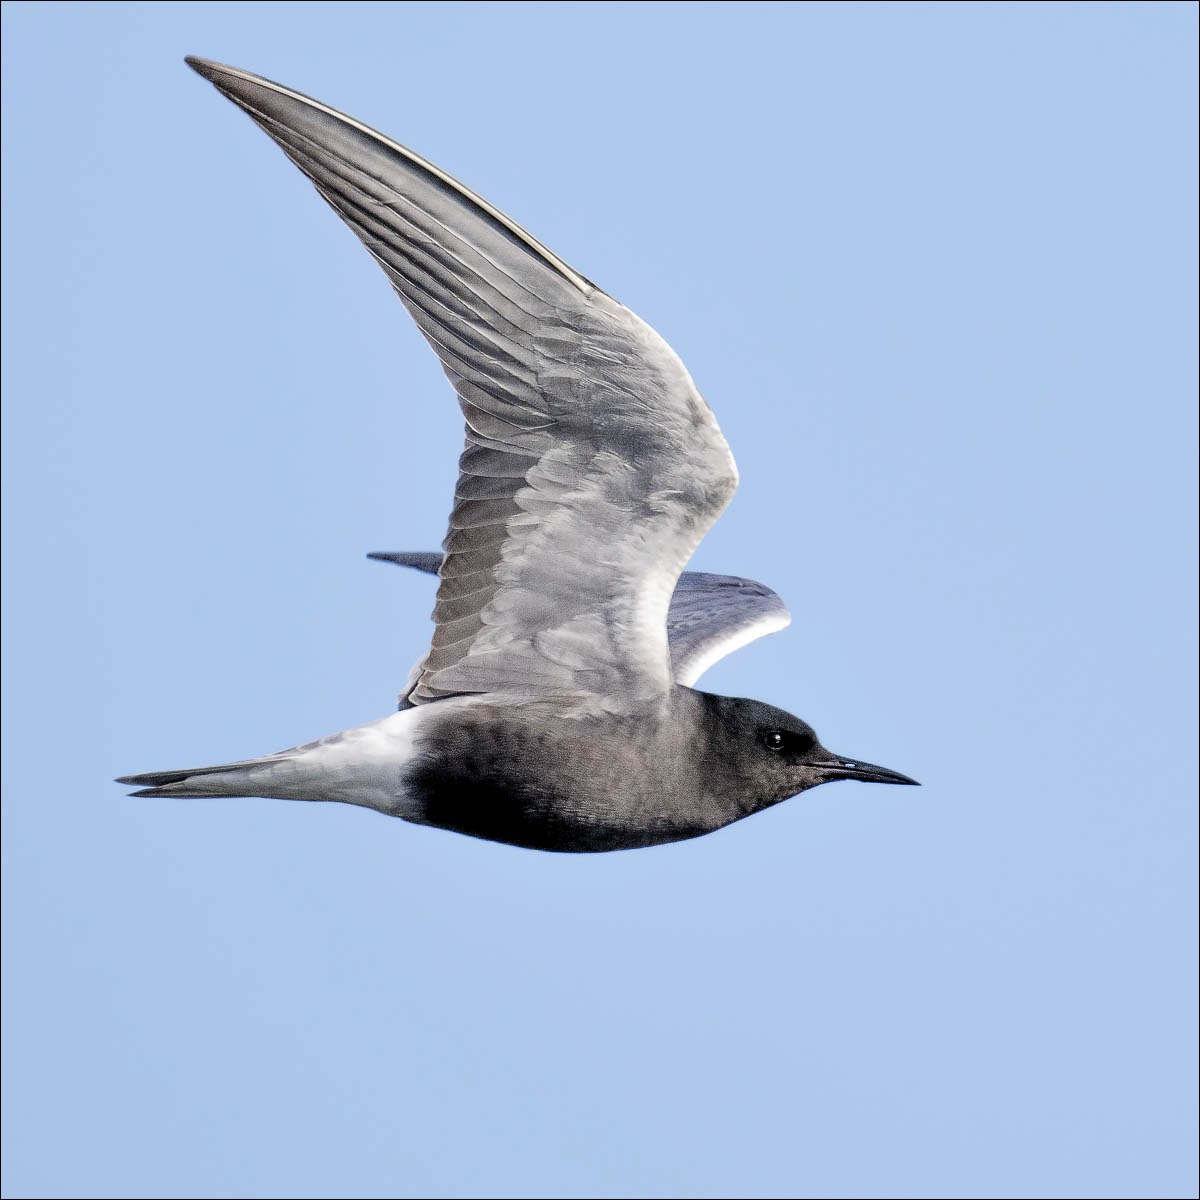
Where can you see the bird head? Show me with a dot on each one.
(780, 755)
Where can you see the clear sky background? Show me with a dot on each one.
(933, 266)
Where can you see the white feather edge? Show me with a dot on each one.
(692, 668)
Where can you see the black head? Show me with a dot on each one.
(779, 755)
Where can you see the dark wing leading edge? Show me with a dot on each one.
(592, 465)
(710, 615)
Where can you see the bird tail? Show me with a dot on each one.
(245, 778)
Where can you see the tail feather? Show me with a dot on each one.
(227, 779)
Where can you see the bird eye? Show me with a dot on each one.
(773, 740)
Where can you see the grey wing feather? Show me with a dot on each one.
(420, 560)
(714, 615)
(592, 466)
(710, 616)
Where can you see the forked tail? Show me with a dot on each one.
(244, 778)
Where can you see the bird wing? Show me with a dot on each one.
(714, 615)
(592, 465)
(710, 616)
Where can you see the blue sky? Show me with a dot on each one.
(933, 267)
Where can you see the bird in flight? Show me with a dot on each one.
(554, 708)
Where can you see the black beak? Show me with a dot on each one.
(838, 767)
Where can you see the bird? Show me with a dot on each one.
(555, 708)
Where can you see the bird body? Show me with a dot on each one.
(553, 709)
(539, 775)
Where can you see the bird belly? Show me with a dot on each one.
(547, 782)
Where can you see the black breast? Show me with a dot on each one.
(533, 779)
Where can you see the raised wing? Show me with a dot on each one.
(592, 466)
(710, 615)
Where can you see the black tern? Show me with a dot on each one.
(554, 708)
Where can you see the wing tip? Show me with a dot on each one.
(418, 560)
(208, 68)
(236, 84)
